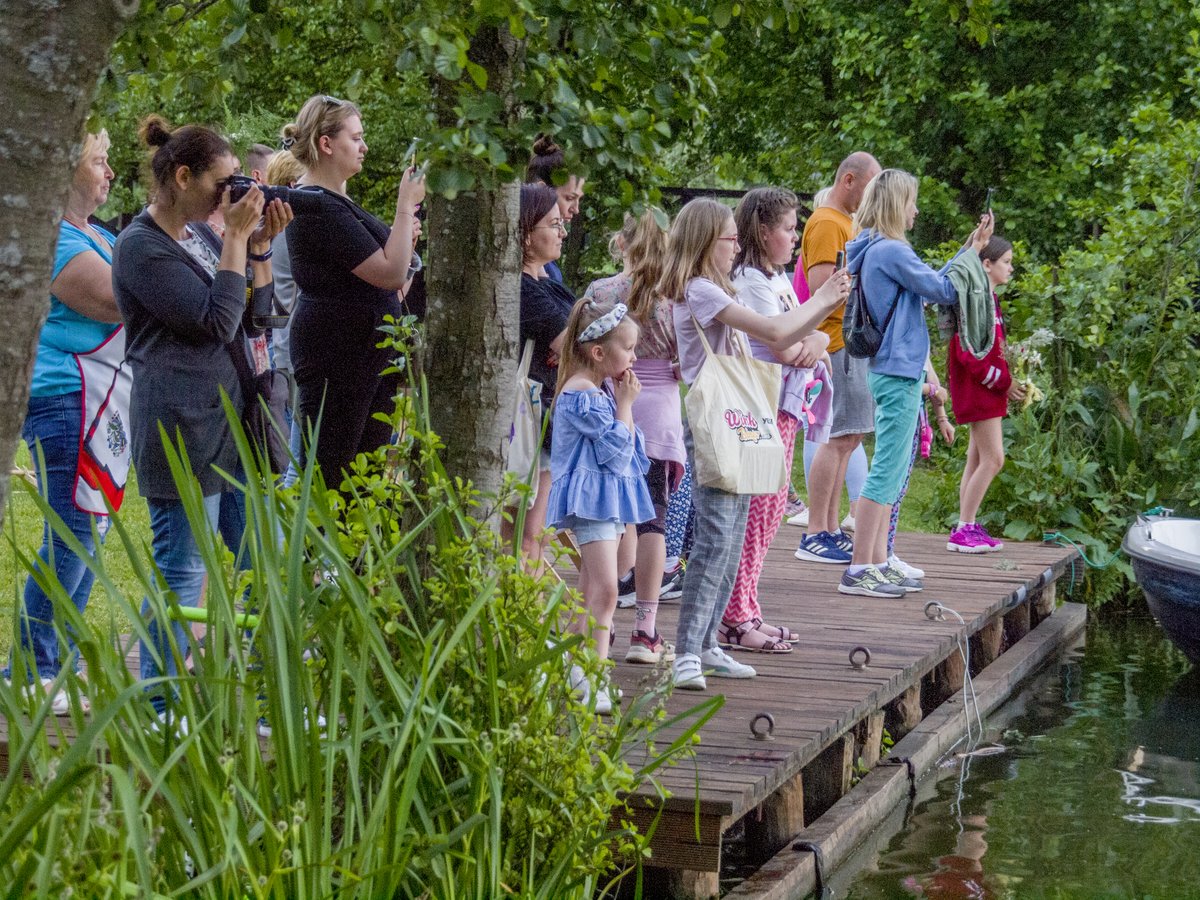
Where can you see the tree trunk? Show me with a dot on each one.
(474, 298)
(51, 55)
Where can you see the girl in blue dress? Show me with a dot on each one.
(597, 464)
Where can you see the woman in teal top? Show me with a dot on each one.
(76, 425)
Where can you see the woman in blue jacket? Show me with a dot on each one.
(892, 273)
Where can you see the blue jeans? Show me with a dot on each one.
(177, 556)
(52, 423)
(713, 563)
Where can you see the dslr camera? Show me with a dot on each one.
(302, 201)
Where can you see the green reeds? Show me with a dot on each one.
(452, 761)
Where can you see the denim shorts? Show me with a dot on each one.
(853, 407)
(588, 530)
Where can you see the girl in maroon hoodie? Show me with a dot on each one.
(980, 390)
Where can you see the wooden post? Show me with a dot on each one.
(985, 645)
(904, 713)
(779, 819)
(827, 777)
(1045, 602)
(683, 884)
(1016, 624)
(872, 743)
(948, 676)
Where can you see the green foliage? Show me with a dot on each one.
(1116, 434)
(453, 763)
(1019, 109)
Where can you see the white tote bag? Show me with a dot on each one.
(525, 436)
(731, 409)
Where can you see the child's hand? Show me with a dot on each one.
(983, 232)
(626, 388)
(835, 290)
(946, 429)
(812, 347)
(1016, 392)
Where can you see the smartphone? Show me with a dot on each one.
(987, 203)
(840, 261)
(411, 152)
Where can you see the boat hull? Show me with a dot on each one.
(1169, 576)
(1168, 593)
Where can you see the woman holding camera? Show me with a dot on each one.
(78, 409)
(182, 294)
(349, 267)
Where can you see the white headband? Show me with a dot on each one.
(604, 324)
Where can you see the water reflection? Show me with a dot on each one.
(1096, 792)
(1163, 770)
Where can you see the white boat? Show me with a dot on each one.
(1166, 563)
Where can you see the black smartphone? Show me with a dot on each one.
(987, 203)
(840, 261)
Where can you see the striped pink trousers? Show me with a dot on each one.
(766, 515)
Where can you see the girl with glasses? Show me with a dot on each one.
(701, 250)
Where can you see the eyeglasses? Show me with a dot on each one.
(735, 240)
(332, 101)
(560, 225)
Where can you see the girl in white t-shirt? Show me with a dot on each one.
(700, 253)
(766, 224)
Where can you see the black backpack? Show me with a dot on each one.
(862, 336)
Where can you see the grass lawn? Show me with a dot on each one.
(23, 526)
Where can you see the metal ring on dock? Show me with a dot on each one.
(769, 734)
(933, 611)
(864, 653)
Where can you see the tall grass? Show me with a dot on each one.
(453, 762)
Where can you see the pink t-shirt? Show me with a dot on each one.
(704, 300)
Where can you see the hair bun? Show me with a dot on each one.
(545, 146)
(154, 131)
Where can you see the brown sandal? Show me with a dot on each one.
(735, 637)
(775, 631)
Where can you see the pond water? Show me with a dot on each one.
(1096, 792)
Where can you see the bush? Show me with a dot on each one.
(454, 762)
(1116, 433)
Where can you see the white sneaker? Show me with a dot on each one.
(895, 562)
(687, 672)
(848, 523)
(720, 664)
(165, 721)
(581, 688)
(606, 698)
(265, 729)
(800, 518)
(60, 703)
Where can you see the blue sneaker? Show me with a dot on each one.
(821, 547)
(843, 541)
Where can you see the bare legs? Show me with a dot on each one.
(870, 533)
(533, 542)
(826, 477)
(985, 459)
(598, 584)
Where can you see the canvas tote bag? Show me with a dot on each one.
(525, 436)
(731, 409)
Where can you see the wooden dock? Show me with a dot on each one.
(829, 716)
